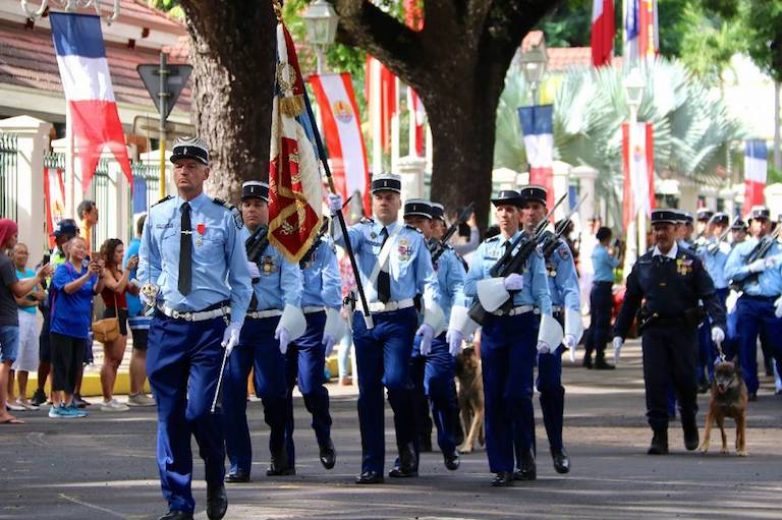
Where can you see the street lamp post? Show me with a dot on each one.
(634, 90)
(533, 63)
(69, 6)
(321, 22)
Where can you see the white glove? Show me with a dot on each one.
(427, 333)
(717, 335)
(570, 343)
(328, 342)
(543, 347)
(778, 307)
(284, 337)
(254, 271)
(454, 338)
(231, 336)
(761, 265)
(335, 203)
(618, 343)
(514, 282)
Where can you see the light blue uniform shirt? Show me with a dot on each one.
(563, 278)
(603, 264)
(322, 284)
(281, 281)
(535, 291)
(219, 270)
(410, 263)
(714, 261)
(450, 278)
(768, 283)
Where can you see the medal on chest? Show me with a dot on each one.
(683, 266)
(267, 265)
(404, 250)
(201, 229)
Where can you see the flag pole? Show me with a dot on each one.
(340, 217)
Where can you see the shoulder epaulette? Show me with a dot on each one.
(221, 202)
(233, 209)
(366, 220)
(492, 239)
(408, 226)
(167, 197)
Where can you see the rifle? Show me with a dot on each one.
(438, 247)
(256, 243)
(712, 248)
(551, 240)
(514, 262)
(759, 252)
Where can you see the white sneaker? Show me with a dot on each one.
(15, 407)
(26, 404)
(113, 406)
(140, 399)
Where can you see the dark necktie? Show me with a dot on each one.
(185, 252)
(384, 278)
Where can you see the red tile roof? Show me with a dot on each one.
(562, 58)
(27, 60)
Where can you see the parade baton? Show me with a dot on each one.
(219, 388)
(342, 226)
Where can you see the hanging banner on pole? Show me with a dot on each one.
(638, 180)
(344, 140)
(537, 124)
(755, 173)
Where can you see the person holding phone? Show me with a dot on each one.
(601, 301)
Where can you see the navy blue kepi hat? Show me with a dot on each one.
(510, 197)
(665, 216)
(719, 219)
(533, 193)
(386, 182)
(704, 214)
(418, 208)
(193, 148)
(739, 225)
(255, 190)
(438, 211)
(759, 212)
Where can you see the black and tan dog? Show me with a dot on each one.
(468, 373)
(728, 399)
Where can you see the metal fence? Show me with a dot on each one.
(146, 186)
(8, 176)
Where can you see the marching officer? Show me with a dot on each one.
(395, 266)
(434, 370)
(566, 306)
(738, 234)
(684, 229)
(193, 269)
(754, 265)
(321, 302)
(274, 320)
(509, 339)
(669, 281)
(703, 226)
(601, 301)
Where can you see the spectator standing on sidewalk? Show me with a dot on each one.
(75, 283)
(10, 289)
(116, 287)
(88, 214)
(138, 322)
(27, 356)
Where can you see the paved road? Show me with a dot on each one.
(103, 466)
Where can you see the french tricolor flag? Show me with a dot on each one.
(602, 38)
(92, 115)
(537, 123)
(755, 171)
(641, 30)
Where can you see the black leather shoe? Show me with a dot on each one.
(502, 479)
(216, 502)
(753, 396)
(369, 477)
(279, 465)
(690, 428)
(587, 363)
(408, 463)
(659, 444)
(527, 469)
(561, 461)
(177, 515)
(425, 444)
(601, 364)
(452, 460)
(328, 455)
(237, 477)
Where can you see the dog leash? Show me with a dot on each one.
(720, 352)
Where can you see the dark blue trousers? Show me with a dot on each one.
(257, 349)
(755, 315)
(508, 359)
(383, 358)
(601, 303)
(552, 396)
(305, 362)
(433, 377)
(183, 365)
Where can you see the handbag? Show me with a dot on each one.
(107, 329)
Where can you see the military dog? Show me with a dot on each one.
(728, 399)
(468, 373)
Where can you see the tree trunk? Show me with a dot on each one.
(232, 50)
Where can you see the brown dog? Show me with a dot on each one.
(468, 373)
(728, 399)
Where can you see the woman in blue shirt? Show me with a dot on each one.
(75, 284)
(601, 301)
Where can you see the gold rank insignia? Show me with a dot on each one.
(683, 266)
(267, 265)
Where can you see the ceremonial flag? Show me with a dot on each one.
(602, 38)
(638, 180)
(92, 116)
(295, 188)
(642, 38)
(342, 130)
(537, 127)
(54, 200)
(755, 171)
(380, 93)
